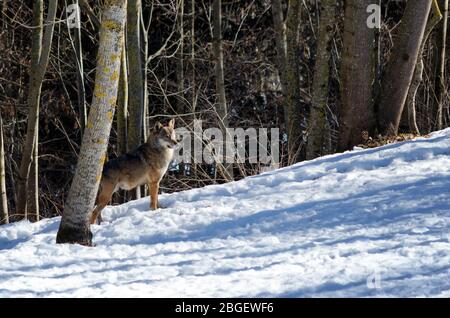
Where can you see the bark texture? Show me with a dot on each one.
(400, 68)
(4, 215)
(40, 52)
(441, 42)
(135, 78)
(317, 120)
(74, 227)
(221, 106)
(357, 75)
(292, 82)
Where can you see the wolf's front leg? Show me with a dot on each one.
(153, 187)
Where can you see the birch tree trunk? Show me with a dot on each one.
(317, 120)
(33, 184)
(75, 227)
(144, 47)
(357, 75)
(122, 104)
(400, 68)
(40, 52)
(4, 215)
(410, 109)
(221, 107)
(80, 78)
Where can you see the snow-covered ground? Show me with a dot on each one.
(366, 223)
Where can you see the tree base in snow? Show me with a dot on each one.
(74, 236)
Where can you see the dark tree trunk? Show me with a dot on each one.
(357, 75)
(180, 60)
(135, 78)
(221, 107)
(317, 120)
(136, 103)
(291, 81)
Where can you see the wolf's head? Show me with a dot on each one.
(165, 135)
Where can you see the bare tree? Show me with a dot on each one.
(135, 75)
(88, 9)
(77, 47)
(221, 106)
(193, 104)
(281, 44)
(280, 31)
(74, 227)
(400, 68)
(441, 42)
(136, 102)
(4, 216)
(288, 64)
(40, 52)
(292, 81)
(180, 58)
(357, 75)
(317, 120)
(410, 110)
(122, 106)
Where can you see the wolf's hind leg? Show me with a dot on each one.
(97, 214)
(104, 196)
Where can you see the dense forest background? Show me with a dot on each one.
(292, 73)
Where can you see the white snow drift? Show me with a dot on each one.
(364, 223)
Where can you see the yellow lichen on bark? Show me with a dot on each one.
(100, 93)
(114, 75)
(102, 160)
(112, 102)
(114, 57)
(112, 25)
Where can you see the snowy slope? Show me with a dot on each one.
(336, 226)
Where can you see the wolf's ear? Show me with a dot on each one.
(172, 123)
(158, 126)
